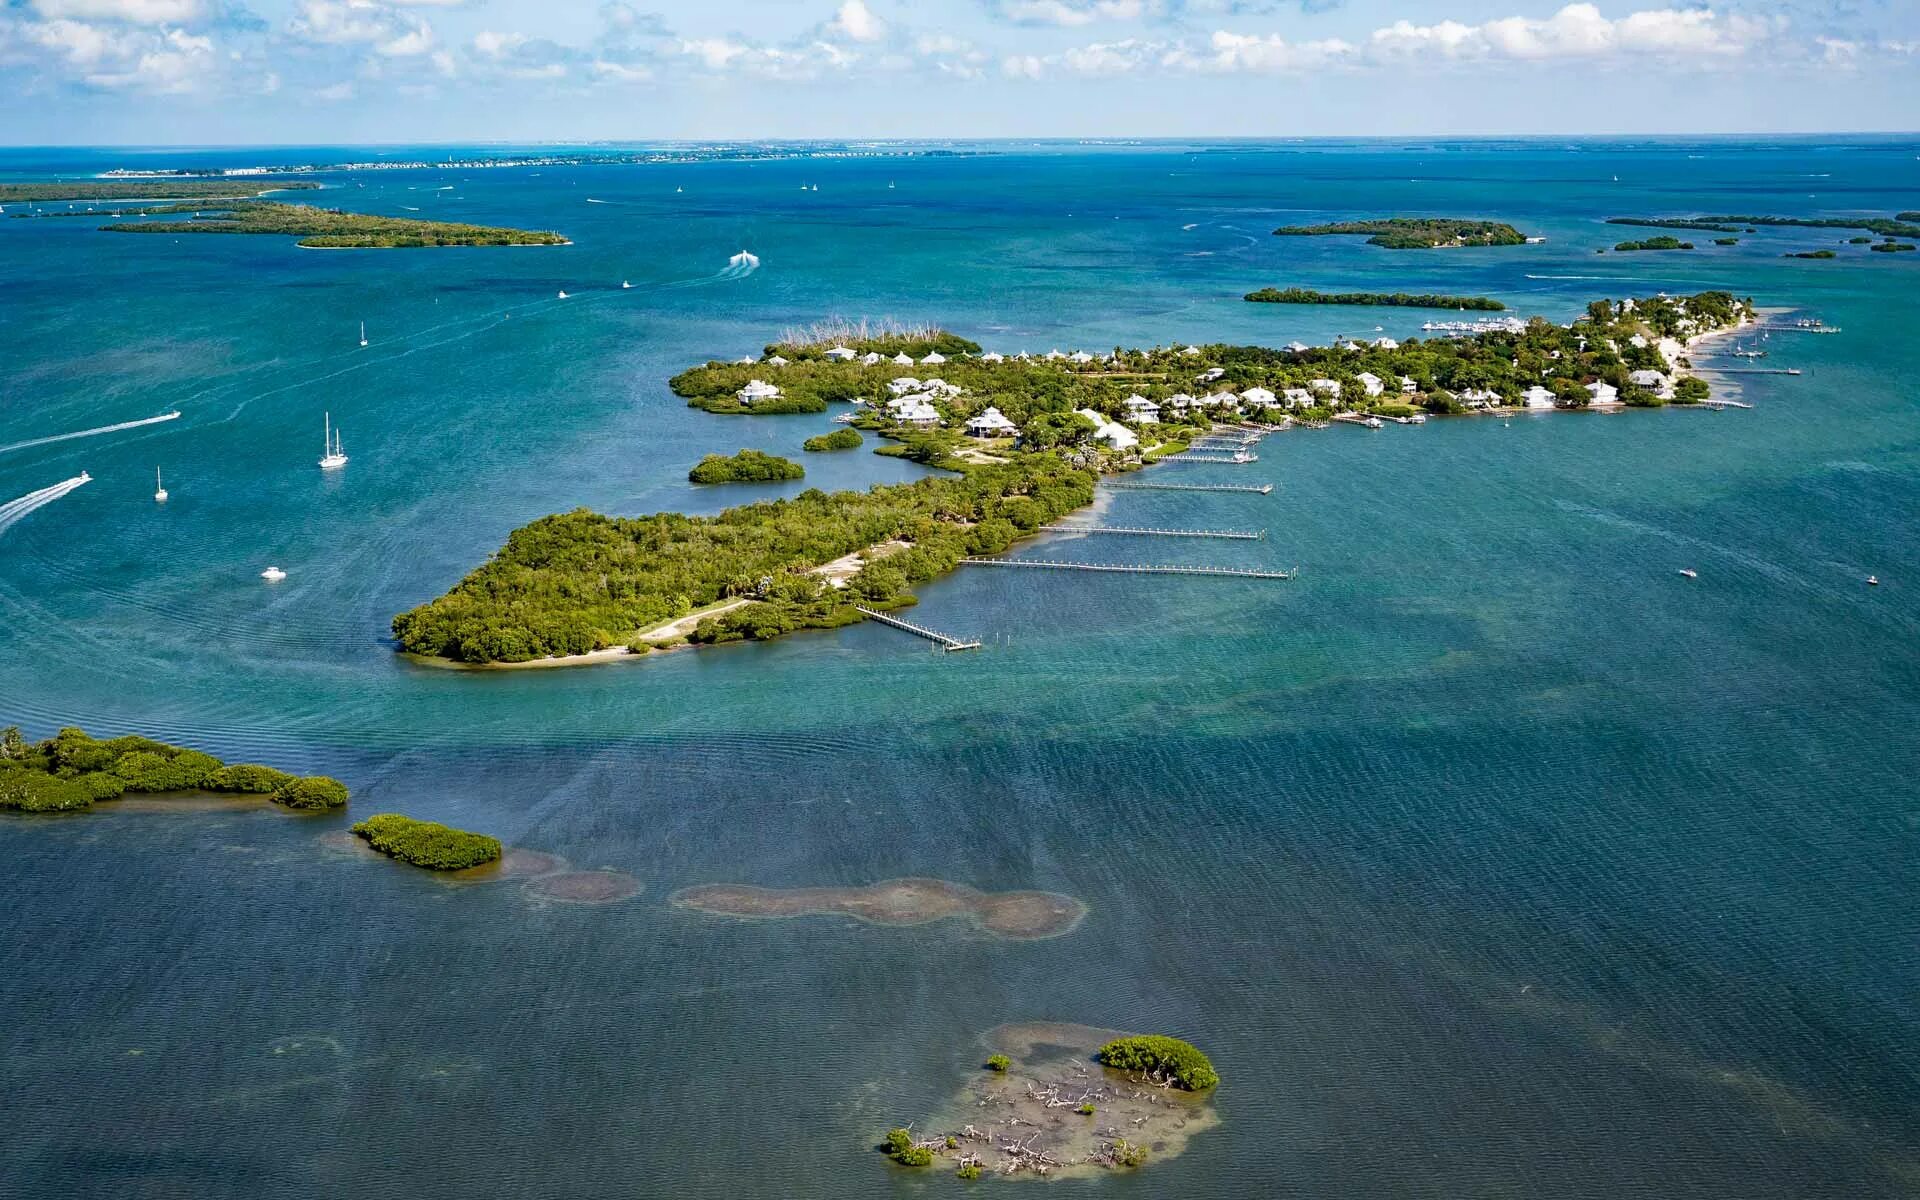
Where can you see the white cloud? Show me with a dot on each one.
(1578, 31)
(1232, 52)
(856, 22)
(391, 33)
(618, 72)
(804, 61)
(334, 93)
(493, 45)
(132, 12)
(1071, 14)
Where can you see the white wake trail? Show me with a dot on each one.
(14, 510)
(84, 433)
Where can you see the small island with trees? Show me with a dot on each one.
(327, 228)
(1417, 233)
(1020, 441)
(427, 844)
(839, 439)
(1654, 243)
(156, 189)
(747, 466)
(73, 771)
(1295, 295)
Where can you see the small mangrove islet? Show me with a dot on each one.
(1020, 916)
(427, 844)
(748, 466)
(328, 228)
(1055, 1110)
(1653, 243)
(839, 439)
(153, 189)
(72, 771)
(1417, 233)
(1021, 441)
(1296, 295)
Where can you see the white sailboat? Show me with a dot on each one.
(334, 458)
(624, 285)
(363, 333)
(563, 293)
(159, 489)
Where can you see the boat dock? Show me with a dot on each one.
(1123, 569)
(1712, 402)
(1239, 458)
(1263, 489)
(949, 644)
(1237, 535)
(1754, 370)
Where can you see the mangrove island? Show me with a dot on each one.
(1022, 439)
(327, 228)
(1295, 295)
(72, 771)
(1654, 243)
(748, 466)
(427, 844)
(157, 189)
(1417, 233)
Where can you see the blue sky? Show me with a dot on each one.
(288, 71)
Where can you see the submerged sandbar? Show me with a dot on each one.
(1023, 916)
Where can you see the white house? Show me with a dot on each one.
(1604, 394)
(1210, 374)
(840, 354)
(933, 359)
(1409, 385)
(991, 424)
(1190, 351)
(1653, 381)
(903, 359)
(1538, 398)
(1142, 411)
(1298, 347)
(1373, 383)
(1480, 397)
(920, 414)
(993, 356)
(1259, 397)
(776, 361)
(1115, 435)
(904, 385)
(870, 359)
(941, 387)
(1638, 340)
(1298, 398)
(1326, 387)
(1080, 356)
(1386, 343)
(756, 391)
(1054, 356)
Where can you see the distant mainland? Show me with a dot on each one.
(1022, 440)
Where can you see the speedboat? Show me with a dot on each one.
(1689, 572)
(563, 293)
(273, 574)
(1873, 581)
(624, 285)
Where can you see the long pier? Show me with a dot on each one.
(1263, 488)
(1754, 370)
(1236, 535)
(1124, 569)
(1240, 459)
(949, 644)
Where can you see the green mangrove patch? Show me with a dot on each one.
(427, 844)
(72, 771)
(1417, 233)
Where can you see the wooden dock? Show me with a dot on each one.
(1127, 569)
(1753, 370)
(1235, 535)
(1263, 488)
(949, 644)
(1240, 459)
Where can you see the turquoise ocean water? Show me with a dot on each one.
(1489, 858)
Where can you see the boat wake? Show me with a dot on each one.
(67, 437)
(1602, 278)
(741, 265)
(14, 510)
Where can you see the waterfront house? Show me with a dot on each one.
(756, 391)
(1409, 385)
(1480, 398)
(1373, 383)
(1653, 381)
(1142, 411)
(840, 354)
(1180, 402)
(1111, 433)
(1298, 347)
(993, 356)
(1081, 357)
(1386, 343)
(1604, 394)
(1538, 398)
(991, 424)
(1296, 397)
(1259, 397)
(1326, 387)
(919, 414)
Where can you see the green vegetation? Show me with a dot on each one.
(969, 1170)
(1085, 1110)
(900, 1148)
(1655, 243)
(158, 189)
(71, 771)
(1710, 225)
(328, 228)
(1166, 1057)
(839, 439)
(1129, 1154)
(1690, 389)
(578, 582)
(748, 466)
(1859, 241)
(427, 843)
(1296, 295)
(1726, 241)
(1906, 224)
(1893, 247)
(1811, 254)
(1417, 233)
(998, 1062)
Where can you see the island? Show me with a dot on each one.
(1417, 233)
(839, 439)
(1295, 295)
(748, 466)
(328, 228)
(1892, 247)
(157, 189)
(72, 771)
(1811, 254)
(1906, 224)
(427, 844)
(1055, 1101)
(1020, 441)
(1654, 243)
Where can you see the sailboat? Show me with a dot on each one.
(335, 457)
(624, 285)
(363, 333)
(563, 293)
(159, 489)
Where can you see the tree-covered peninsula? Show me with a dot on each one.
(72, 771)
(330, 228)
(1295, 295)
(157, 189)
(427, 844)
(1024, 438)
(1417, 233)
(747, 466)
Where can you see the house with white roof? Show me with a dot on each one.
(1480, 398)
(1604, 394)
(1539, 399)
(1259, 397)
(904, 385)
(993, 356)
(1054, 356)
(1080, 356)
(920, 414)
(776, 361)
(933, 359)
(1409, 385)
(756, 391)
(1373, 383)
(1386, 343)
(903, 359)
(1298, 347)
(1326, 387)
(991, 424)
(1191, 351)
(1653, 381)
(1210, 374)
(1115, 435)
(1298, 398)
(1180, 402)
(840, 354)
(870, 359)
(1142, 411)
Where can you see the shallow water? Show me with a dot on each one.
(1489, 857)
